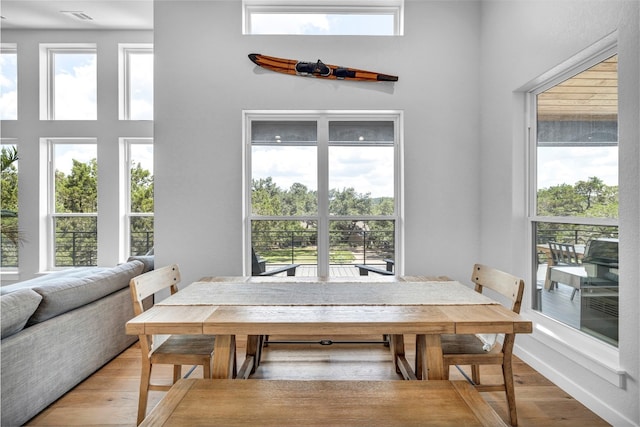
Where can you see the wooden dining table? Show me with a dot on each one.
(235, 306)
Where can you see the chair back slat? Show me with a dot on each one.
(501, 282)
(151, 282)
(563, 253)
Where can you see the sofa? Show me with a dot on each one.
(57, 330)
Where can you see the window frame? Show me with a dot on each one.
(593, 354)
(47, 74)
(323, 217)
(51, 199)
(394, 8)
(125, 50)
(128, 215)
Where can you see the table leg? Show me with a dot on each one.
(253, 354)
(429, 364)
(396, 344)
(224, 356)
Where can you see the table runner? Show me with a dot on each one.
(327, 294)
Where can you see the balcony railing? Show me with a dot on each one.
(345, 246)
(77, 248)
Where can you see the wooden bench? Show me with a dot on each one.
(365, 269)
(322, 403)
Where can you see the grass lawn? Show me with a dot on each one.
(307, 255)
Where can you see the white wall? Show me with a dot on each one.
(521, 40)
(204, 80)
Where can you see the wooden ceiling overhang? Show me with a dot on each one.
(591, 95)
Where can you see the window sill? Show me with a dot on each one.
(594, 355)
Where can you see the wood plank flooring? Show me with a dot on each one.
(110, 396)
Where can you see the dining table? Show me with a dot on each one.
(255, 307)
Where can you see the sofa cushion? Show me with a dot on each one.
(15, 310)
(61, 296)
(50, 277)
(147, 260)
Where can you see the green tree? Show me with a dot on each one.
(11, 234)
(349, 202)
(9, 179)
(591, 198)
(78, 191)
(141, 189)
(141, 227)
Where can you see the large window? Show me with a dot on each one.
(140, 206)
(73, 202)
(136, 82)
(375, 18)
(68, 82)
(575, 197)
(8, 82)
(11, 234)
(323, 190)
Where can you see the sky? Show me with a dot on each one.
(568, 165)
(366, 169)
(319, 24)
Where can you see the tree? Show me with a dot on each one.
(9, 203)
(141, 227)
(590, 198)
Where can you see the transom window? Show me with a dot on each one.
(136, 82)
(9, 82)
(68, 82)
(323, 190)
(373, 18)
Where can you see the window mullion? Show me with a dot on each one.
(323, 196)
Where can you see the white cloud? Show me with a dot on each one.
(76, 92)
(294, 23)
(568, 165)
(66, 153)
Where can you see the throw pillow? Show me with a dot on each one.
(16, 308)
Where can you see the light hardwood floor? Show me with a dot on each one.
(109, 397)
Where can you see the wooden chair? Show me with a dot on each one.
(462, 349)
(259, 267)
(176, 350)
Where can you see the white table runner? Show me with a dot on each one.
(327, 294)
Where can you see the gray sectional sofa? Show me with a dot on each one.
(57, 330)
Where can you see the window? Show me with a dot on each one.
(575, 196)
(136, 82)
(375, 18)
(140, 206)
(8, 82)
(11, 234)
(74, 202)
(323, 190)
(68, 82)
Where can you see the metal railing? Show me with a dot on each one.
(345, 246)
(76, 248)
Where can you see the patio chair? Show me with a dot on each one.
(259, 267)
(564, 255)
(176, 350)
(475, 350)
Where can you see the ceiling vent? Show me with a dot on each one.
(77, 14)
